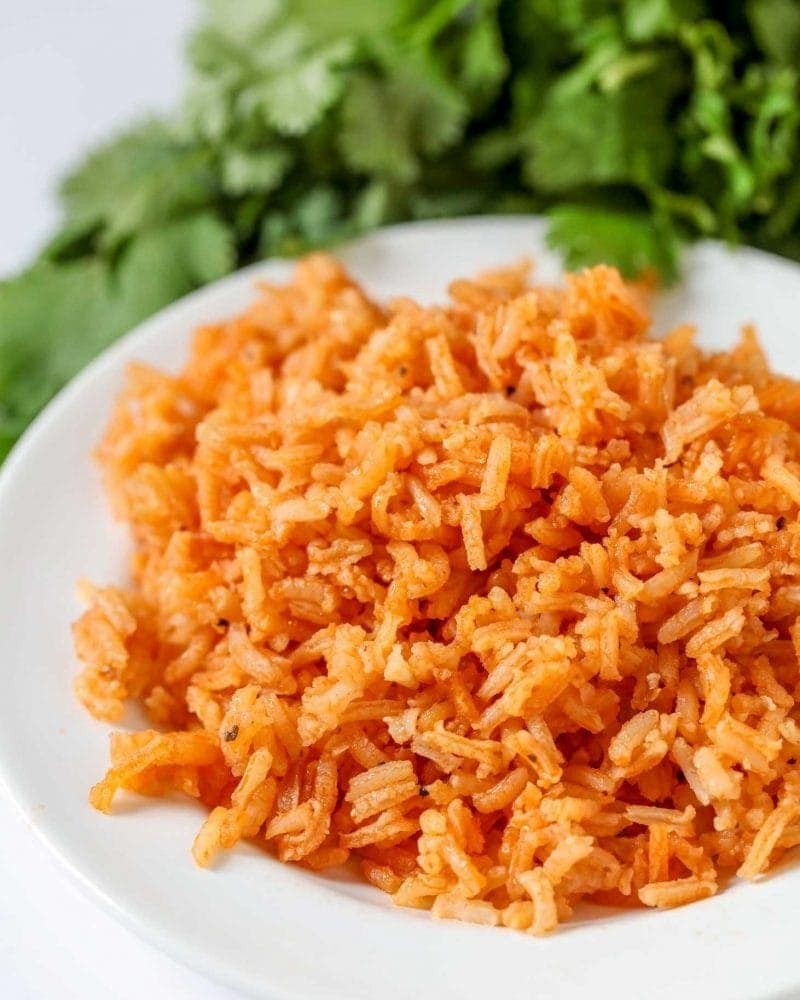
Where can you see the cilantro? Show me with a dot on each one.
(389, 125)
(637, 143)
(776, 28)
(636, 240)
(633, 124)
(137, 181)
(246, 170)
(54, 317)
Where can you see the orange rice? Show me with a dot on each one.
(497, 599)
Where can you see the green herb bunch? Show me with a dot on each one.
(633, 124)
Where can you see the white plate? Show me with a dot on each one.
(280, 931)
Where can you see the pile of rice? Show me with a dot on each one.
(498, 599)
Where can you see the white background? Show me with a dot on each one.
(71, 72)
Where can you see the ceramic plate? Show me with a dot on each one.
(275, 930)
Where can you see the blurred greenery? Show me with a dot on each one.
(635, 124)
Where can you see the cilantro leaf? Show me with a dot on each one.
(637, 241)
(54, 318)
(776, 29)
(139, 179)
(300, 87)
(390, 124)
(165, 263)
(620, 136)
(646, 20)
(481, 61)
(245, 170)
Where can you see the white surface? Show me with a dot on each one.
(71, 72)
(250, 922)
